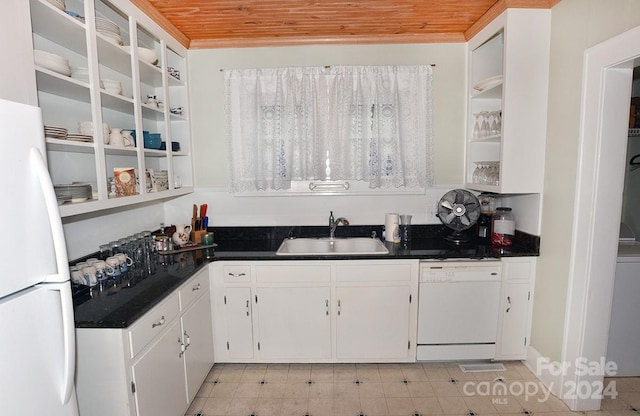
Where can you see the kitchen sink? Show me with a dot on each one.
(331, 246)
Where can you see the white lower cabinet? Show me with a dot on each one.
(293, 323)
(315, 311)
(516, 304)
(237, 321)
(374, 323)
(154, 367)
(158, 376)
(377, 312)
(197, 334)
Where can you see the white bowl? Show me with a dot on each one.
(144, 54)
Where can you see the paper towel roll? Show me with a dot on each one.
(391, 227)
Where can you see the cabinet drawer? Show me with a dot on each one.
(153, 323)
(197, 285)
(374, 273)
(297, 273)
(237, 273)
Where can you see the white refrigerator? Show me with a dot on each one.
(37, 333)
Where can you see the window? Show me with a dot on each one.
(329, 125)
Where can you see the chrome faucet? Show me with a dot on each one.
(333, 224)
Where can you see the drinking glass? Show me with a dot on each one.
(494, 124)
(405, 230)
(475, 178)
(476, 127)
(485, 128)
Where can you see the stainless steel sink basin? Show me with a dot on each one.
(331, 246)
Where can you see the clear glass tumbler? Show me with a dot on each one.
(405, 231)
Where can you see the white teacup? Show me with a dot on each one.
(89, 273)
(103, 270)
(124, 259)
(81, 265)
(77, 277)
(114, 263)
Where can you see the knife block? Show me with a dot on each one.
(196, 236)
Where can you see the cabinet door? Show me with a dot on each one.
(514, 329)
(197, 334)
(293, 323)
(159, 376)
(239, 326)
(373, 322)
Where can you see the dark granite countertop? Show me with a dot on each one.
(120, 307)
(428, 242)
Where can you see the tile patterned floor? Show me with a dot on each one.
(388, 390)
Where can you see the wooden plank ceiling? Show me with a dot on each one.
(245, 23)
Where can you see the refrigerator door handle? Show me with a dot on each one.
(60, 247)
(69, 340)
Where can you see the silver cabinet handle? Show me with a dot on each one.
(160, 322)
(237, 274)
(187, 339)
(508, 303)
(326, 305)
(196, 287)
(247, 306)
(339, 307)
(182, 348)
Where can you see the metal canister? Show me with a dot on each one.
(162, 242)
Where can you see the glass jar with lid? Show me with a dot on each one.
(503, 227)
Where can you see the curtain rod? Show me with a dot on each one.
(325, 66)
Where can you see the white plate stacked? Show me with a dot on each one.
(112, 86)
(58, 3)
(52, 61)
(80, 138)
(77, 191)
(109, 30)
(162, 180)
(53, 132)
(80, 73)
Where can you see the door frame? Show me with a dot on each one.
(606, 92)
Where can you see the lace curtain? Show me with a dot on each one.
(360, 123)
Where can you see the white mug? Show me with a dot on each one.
(77, 277)
(89, 273)
(81, 265)
(124, 260)
(103, 269)
(114, 263)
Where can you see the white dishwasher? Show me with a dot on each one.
(458, 310)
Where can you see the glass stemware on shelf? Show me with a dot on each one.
(486, 173)
(488, 124)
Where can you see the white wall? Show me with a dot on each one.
(576, 26)
(207, 113)
(207, 103)
(85, 233)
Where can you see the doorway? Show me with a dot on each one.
(606, 93)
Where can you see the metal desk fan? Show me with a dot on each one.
(459, 210)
